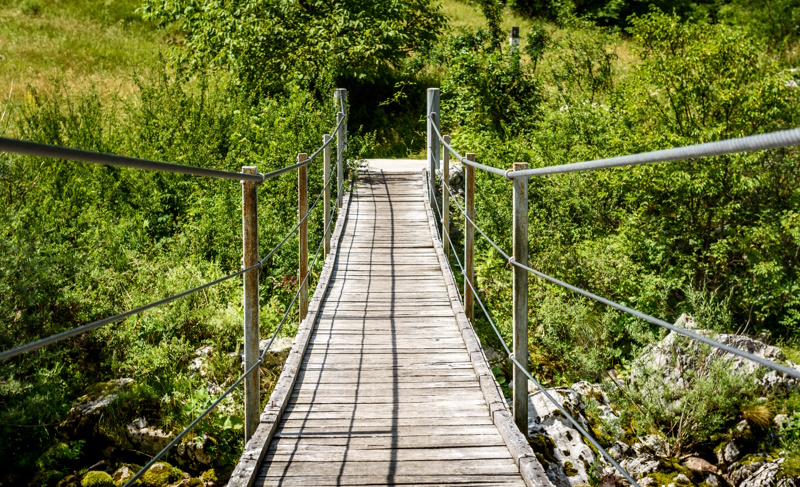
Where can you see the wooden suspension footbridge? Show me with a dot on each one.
(386, 382)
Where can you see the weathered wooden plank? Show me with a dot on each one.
(375, 480)
(386, 392)
(494, 466)
(349, 453)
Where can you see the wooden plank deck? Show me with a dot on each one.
(386, 383)
(386, 392)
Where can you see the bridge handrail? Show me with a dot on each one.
(57, 152)
(246, 373)
(513, 359)
(772, 140)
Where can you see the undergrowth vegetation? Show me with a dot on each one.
(250, 83)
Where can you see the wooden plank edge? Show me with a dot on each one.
(529, 467)
(246, 471)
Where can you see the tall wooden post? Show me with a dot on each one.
(326, 199)
(520, 279)
(339, 161)
(433, 139)
(252, 393)
(446, 198)
(340, 97)
(469, 238)
(341, 94)
(302, 209)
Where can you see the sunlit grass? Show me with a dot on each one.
(84, 44)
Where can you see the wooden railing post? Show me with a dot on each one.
(252, 393)
(340, 96)
(302, 209)
(433, 139)
(446, 199)
(469, 238)
(520, 278)
(339, 161)
(326, 203)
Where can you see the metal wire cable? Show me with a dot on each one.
(575, 423)
(277, 247)
(464, 160)
(669, 326)
(258, 362)
(446, 232)
(80, 155)
(772, 140)
(476, 227)
(560, 408)
(112, 319)
(105, 321)
(441, 139)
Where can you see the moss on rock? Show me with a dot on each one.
(97, 479)
(209, 476)
(161, 474)
(570, 469)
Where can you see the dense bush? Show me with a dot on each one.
(85, 241)
(269, 44)
(715, 237)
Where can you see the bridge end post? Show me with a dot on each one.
(433, 141)
(340, 95)
(326, 204)
(445, 199)
(469, 239)
(252, 392)
(520, 300)
(302, 209)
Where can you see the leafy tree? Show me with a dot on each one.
(314, 42)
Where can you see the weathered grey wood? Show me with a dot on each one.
(469, 239)
(385, 388)
(446, 199)
(326, 199)
(252, 391)
(339, 157)
(302, 209)
(520, 299)
(532, 472)
(244, 475)
(373, 480)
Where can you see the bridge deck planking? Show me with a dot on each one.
(386, 393)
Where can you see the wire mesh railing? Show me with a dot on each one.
(248, 176)
(520, 176)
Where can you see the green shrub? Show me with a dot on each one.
(160, 475)
(687, 412)
(97, 479)
(31, 7)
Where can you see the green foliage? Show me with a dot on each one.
(97, 479)
(485, 89)
(687, 412)
(85, 241)
(493, 11)
(160, 474)
(271, 45)
(30, 7)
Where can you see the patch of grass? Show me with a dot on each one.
(85, 44)
(465, 14)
